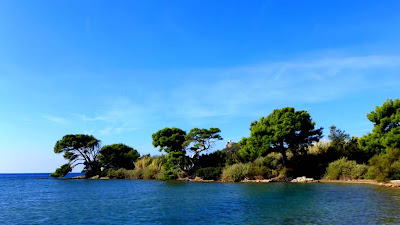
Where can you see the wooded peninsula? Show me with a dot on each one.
(283, 145)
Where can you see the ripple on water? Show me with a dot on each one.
(38, 201)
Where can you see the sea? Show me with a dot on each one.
(40, 199)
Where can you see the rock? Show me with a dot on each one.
(302, 179)
(77, 177)
(255, 181)
(95, 177)
(281, 179)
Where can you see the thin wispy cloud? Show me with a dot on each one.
(251, 88)
(115, 130)
(55, 119)
(121, 115)
(245, 91)
(87, 118)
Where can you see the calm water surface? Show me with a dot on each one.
(25, 199)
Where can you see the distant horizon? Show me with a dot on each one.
(121, 71)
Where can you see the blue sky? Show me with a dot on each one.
(121, 70)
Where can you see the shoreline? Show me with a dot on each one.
(391, 184)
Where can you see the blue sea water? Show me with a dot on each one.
(30, 199)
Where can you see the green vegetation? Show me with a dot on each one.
(118, 156)
(174, 165)
(149, 167)
(235, 172)
(283, 130)
(344, 169)
(284, 144)
(120, 173)
(172, 141)
(386, 131)
(79, 149)
(209, 173)
(201, 140)
(62, 171)
(385, 167)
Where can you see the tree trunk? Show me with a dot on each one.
(284, 157)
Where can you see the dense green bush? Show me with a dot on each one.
(385, 167)
(261, 168)
(119, 174)
(173, 164)
(235, 172)
(344, 169)
(272, 161)
(209, 173)
(258, 172)
(265, 167)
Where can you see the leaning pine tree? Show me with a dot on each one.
(78, 149)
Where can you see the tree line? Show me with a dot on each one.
(286, 143)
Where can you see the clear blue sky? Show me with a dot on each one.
(121, 70)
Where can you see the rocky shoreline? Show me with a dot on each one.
(391, 184)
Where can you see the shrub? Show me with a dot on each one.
(148, 168)
(258, 172)
(385, 167)
(119, 174)
(343, 169)
(174, 162)
(261, 168)
(265, 167)
(235, 173)
(209, 173)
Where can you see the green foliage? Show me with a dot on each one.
(252, 148)
(272, 161)
(235, 172)
(232, 155)
(170, 139)
(284, 129)
(315, 160)
(202, 140)
(209, 173)
(62, 171)
(262, 168)
(258, 172)
(385, 167)
(265, 167)
(344, 169)
(80, 149)
(386, 131)
(174, 165)
(120, 173)
(118, 156)
(338, 137)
